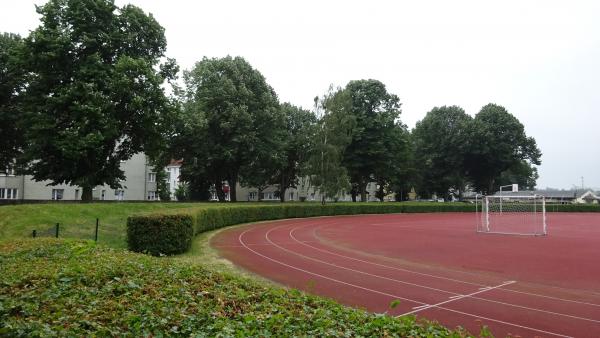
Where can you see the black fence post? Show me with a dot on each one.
(96, 234)
(34, 233)
(57, 225)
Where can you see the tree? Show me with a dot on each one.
(522, 173)
(94, 95)
(298, 124)
(375, 112)
(11, 84)
(498, 143)
(331, 135)
(240, 117)
(441, 141)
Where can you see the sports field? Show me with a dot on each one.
(438, 267)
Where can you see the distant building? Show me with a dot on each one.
(559, 196)
(139, 185)
(173, 171)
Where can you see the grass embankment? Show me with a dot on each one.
(77, 220)
(74, 288)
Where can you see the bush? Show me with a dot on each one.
(66, 288)
(160, 234)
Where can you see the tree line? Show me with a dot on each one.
(87, 90)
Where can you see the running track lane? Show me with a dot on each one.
(438, 267)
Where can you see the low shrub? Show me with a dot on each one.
(68, 288)
(160, 234)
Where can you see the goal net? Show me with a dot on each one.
(512, 215)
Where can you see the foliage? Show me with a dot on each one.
(232, 120)
(11, 81)
(160, 235)
(298, 126)
(182, 192)
(499, 143)
(441, 142)
(522, 173)
(94, 95)
(330, 137)
(376, 144)
(88, 290)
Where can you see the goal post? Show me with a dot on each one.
(512, 215)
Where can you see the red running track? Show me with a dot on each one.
(438, 267)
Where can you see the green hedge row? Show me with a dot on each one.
(160, 234)
(173, 233)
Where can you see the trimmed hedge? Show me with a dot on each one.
(172, 233)
(160, 234)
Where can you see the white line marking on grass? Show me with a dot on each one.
(455, 298)
(240, 239)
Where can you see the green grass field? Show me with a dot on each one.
(77, 220)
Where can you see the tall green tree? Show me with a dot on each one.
(441, 142)
(295, 147)
(375, 112)
(331, 135)
(94, 95)
(240, 117)
(11, 84)
(498, 143)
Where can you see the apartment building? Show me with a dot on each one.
(139, 185)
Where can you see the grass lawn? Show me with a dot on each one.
(77, 220)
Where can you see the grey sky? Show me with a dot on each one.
(539, 59)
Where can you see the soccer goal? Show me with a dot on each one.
(512, 215)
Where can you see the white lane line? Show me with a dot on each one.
(440, 277)
(240, 239)
(455, 298)
(455, 294)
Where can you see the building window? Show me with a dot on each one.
(152, 196)
(291, 195)
(169, 176)
(103, 195)
(252, 196)
(151, 177)
(58, 194)
(8, 194)
(119, 195)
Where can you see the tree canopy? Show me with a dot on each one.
(442, 141)
(94, 95)
(236, 119)
(374, 137)
(498, 143)
(11, 84)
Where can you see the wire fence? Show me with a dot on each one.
(58, 230)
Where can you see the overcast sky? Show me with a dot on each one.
(539, 59)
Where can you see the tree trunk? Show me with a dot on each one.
(260, 194)
(86, 194)
(233, 188)
(363, 190)
(219, 189)
(381, 195)
(353, 193)
(282, 194)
